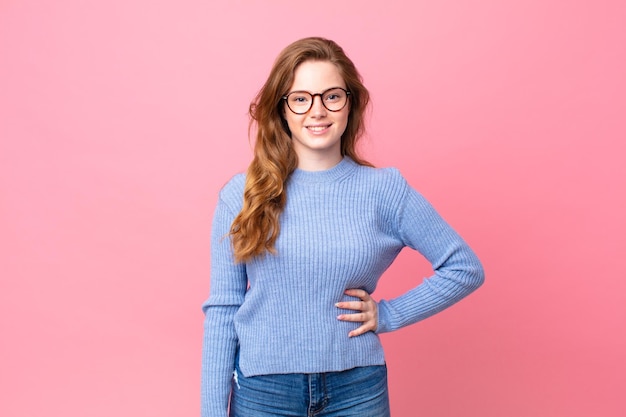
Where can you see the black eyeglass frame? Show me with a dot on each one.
(321, 96)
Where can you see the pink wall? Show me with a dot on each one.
(120, 120)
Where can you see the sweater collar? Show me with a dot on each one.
(343, 168)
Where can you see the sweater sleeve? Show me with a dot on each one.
(457, 270)
(228, 287)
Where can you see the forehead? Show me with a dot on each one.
(316, 76)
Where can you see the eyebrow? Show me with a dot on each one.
(306, 91)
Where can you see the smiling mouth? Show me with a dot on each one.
(317, 128)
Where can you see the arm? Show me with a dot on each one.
(228, 287)
(457, 270)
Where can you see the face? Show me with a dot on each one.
(316, 135)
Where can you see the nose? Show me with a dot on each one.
(317, 108)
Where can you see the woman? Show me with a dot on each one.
(300, 242)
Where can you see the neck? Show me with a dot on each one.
(318, 162)
(343, 168)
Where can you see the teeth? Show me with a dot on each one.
(317, 128)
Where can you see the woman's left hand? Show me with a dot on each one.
(367, 312)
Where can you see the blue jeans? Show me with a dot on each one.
(357, 392)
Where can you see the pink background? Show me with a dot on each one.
(120, 120)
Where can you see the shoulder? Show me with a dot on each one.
(232, 192)
(235, 184)
(388, 180)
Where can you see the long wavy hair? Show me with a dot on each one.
(256, 228)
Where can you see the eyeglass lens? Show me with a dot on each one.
(301, 102)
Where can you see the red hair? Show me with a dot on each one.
(256, 228)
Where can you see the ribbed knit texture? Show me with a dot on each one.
(340, 229)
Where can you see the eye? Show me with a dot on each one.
(334, 96)
(299, 98)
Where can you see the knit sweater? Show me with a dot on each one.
(340, 229)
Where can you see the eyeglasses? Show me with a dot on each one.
(300, 102)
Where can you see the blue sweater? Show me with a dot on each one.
(340, 229)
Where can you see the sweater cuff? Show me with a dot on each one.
(383, 317)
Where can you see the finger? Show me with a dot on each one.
(357, 317)
(360, 330)
(356, 292)
(352, 305)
